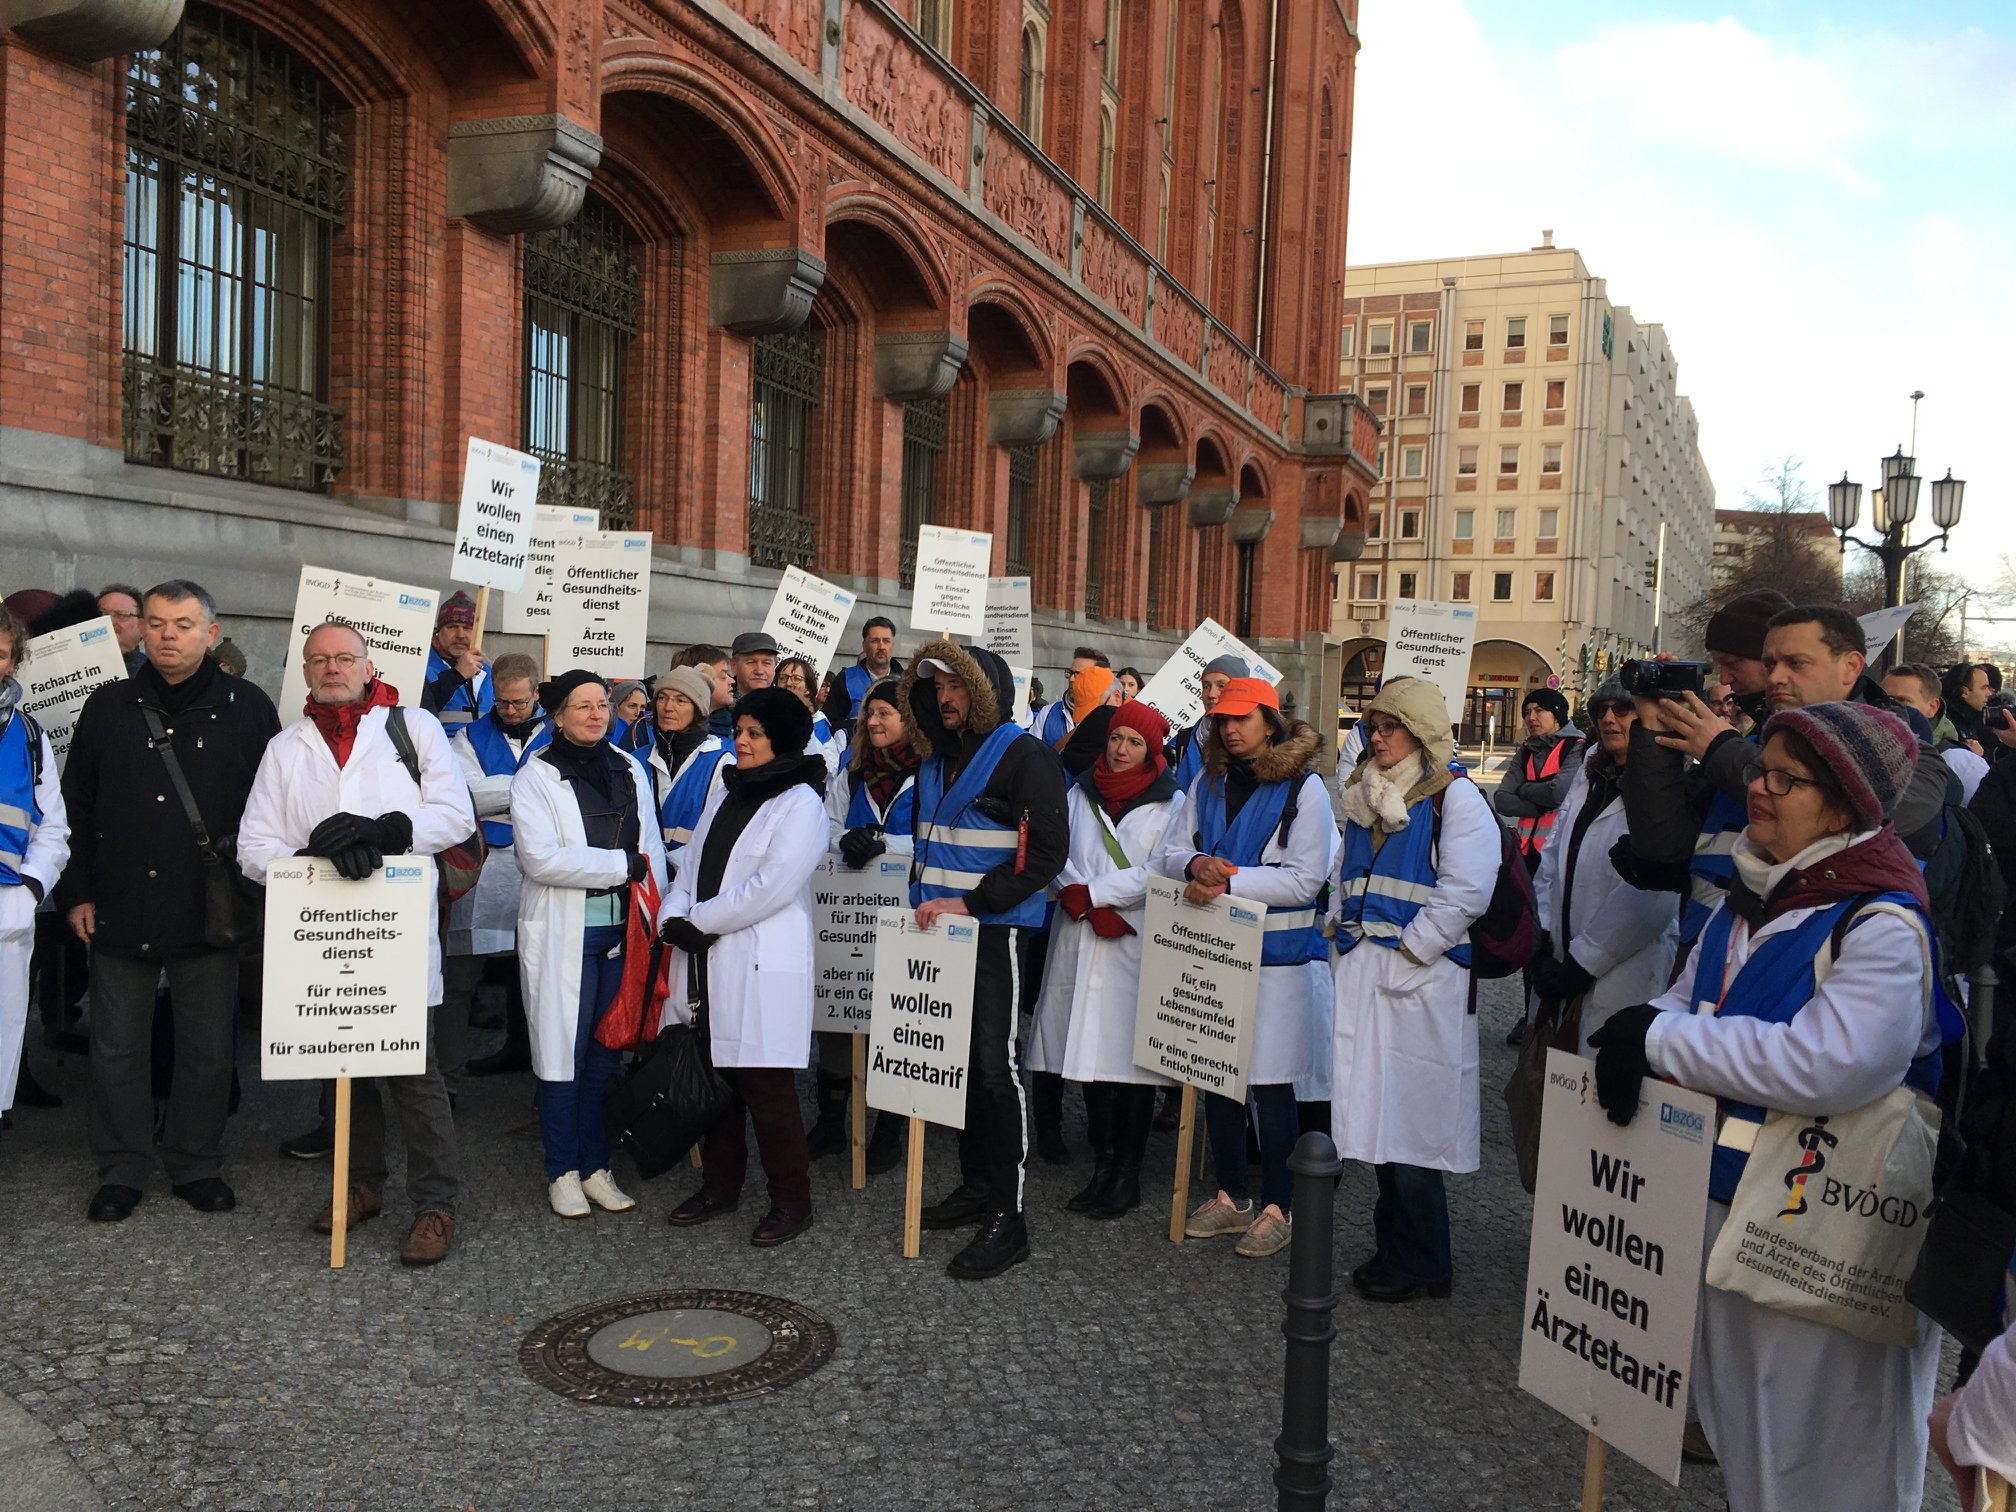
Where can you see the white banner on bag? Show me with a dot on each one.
(1200, 987)
(845, 906)
(1432, 641)
(951, 591)
(808, 616)
(1011, 624)
(529, 611)
(1172, 692)
(921, 1030)
(493, 528)
(601, 604)
(395, 619)
(1615, 1266)
(346, 970)
(63, 669)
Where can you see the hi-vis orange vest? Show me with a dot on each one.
(1533, 832)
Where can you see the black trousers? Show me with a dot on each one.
(995, 1143)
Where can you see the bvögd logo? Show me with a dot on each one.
(1812, 1139)
(1684, 1122)
(404, 873)
(92, 635)
(1244, 915)
(413, 601)
(1867, 1202)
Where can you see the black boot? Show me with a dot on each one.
(828, 1134)
(32, 1094)
(885, 1145)
(1047, 1088)
(1133, 1116)
(515, 1054)
(1002, 1243)
(1099, 1130)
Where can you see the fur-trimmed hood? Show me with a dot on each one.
(986, 677)
(1289, 755)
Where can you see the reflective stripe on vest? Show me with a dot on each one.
(458, 711)
(1533, 831)
(1714, 861)
(1298, 937)
(681, 810)
(896, 820)
(1773, 985)
(957, 845)
(1382, 893)
(20, 814)
(495, 756)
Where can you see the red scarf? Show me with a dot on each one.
(1118, 789)
(883, 769)
(338, 722)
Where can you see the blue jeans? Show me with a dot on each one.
(1410, 1224)
(570, 1112)
(1225, 1121)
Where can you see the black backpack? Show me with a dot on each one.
(1964, 882)
(1506, 935)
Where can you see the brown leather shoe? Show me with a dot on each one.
(780, 1224)
(364, 1203)
(698, 1209)
(428, 1240)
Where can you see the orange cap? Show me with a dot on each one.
(1242, 695)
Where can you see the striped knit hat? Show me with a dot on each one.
(1867, 751)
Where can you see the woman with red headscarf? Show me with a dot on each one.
(1119, 807)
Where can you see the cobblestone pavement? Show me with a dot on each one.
(215, 1361)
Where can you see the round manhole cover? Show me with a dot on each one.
(677, 1349)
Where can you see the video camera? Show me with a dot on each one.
(1647, 678)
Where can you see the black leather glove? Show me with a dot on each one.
(1561, 981)
(395, 833)
(356, 862)
(640, 866)
(860, 846)
(1620, 1060)
(685, 934)
(340, 832)
(1651, 876)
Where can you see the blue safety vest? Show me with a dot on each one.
(679, 814)
(458, 710)
(858, 680)
(1382, 893)
(1773, 985)
(1190, 760)
(902, 809)
(493, 755)
(1055, 723)
(957, 845)
(19, 812)
(1714, 862)
(1294, 932)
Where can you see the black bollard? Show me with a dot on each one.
(1302, 1476)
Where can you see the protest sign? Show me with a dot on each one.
(1200, 982)
(1010, 632)
(1615, 1266)
(1432, 641)
(601, 603)
(493, 529)
(1172, 691)
(395, 619)
(951, 591)
(845, 906)
(62, 670)
(346, 970)
(529, 611)
(922, 1022)
(808, 616)
(1021, 677)
(1880, 626)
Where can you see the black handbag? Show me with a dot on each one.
(669, 1100)
(234, 907)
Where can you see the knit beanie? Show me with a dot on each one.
(888, 691)
(1869, 752)
(1549, 699)
(553, 694)
(1737, 628)
(1088, 690)
(1143, 720)
(622, 688)
(693, 685)
(1610, 691)
(783, 716)
(1230, 665)
(457, 609)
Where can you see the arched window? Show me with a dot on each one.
(1029, 98)
(924, 426)
(1106, 145)
(934, 23)
(236, 179)
(1162, 224)
(583, 293)
(1021, 506)
(1110, 61)
(789, 373)
(1208, 164)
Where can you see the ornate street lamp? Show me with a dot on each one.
(1892, 508)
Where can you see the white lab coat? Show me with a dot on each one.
(1085, 1017)
(1806, 1418)
(47, 854)
(299, 785)
(759, 969)
(1285, 1047)
(1623, 937)
(559, 869)
(1982, 1431)
(484, 920)
(1404, 1057)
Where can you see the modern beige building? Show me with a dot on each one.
(1535, 444)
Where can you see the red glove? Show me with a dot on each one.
(1107, 923)
(1075, 900)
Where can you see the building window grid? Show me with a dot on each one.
(1550, 458)
(924, 428)
(236, 182)
(1420, 336)
(1379, 338)
(1095, 548)
(1508, 461)
(1466, 524)
(1466, 462)
(1557, 330)
(1501, 587)
(1473, 335)
(1515, 332)
(1410, 524)
(1514, 398)
(1029, 80)
(1543, 587)
(1471, 398)
(1417, 399)
(1413, 463)
(1506, 527)
(789, 373)
(1459, 587)
(934, 23)
(583, 297)
(1021, 505)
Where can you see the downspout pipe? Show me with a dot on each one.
(1267, 181)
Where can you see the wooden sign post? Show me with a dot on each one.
(1991, 1492)
(1186, 1131)
(339, 1201)
(913, 1193)
(857, 1112)
(1595, 1460)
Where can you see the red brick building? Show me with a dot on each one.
(778, 280)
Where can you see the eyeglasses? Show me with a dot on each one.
(344, 659)
(515, 703)
(1384, 727)
(123, 614)
(1777, 781)
(1620, 709)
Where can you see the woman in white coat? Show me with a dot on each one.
(34, 846)
(1119, 808)
(740, 916)
(581, 811)
(1257, 825)
(1803, 1417)
(1420, 858)
(1607, 943)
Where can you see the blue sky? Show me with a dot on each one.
(1818, 200)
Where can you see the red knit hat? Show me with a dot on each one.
(1144, 720)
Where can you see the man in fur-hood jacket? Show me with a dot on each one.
(990, 837)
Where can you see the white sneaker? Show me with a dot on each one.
(601, 1189)
(566, 1196)
(1219, 1216)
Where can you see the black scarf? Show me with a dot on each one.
(174, 698)
(674, 746)
(1240, 784)
(599, 765)
(748, 789)
(521, 731)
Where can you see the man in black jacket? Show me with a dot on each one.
(990, 837)
(134, 892)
